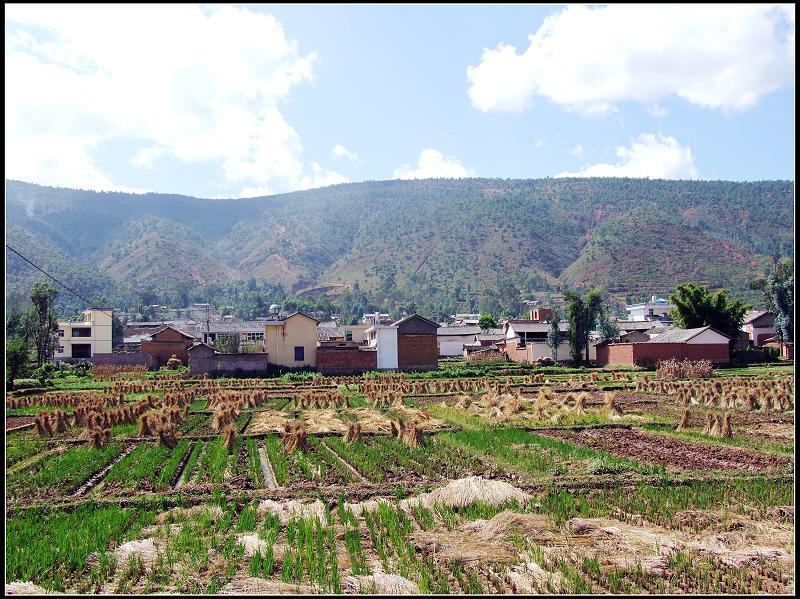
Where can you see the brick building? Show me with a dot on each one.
(702, 343)
(204, 359)
(345, 357)
(165, 342)
(417, 348)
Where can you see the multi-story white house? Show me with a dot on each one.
(656, 309)
(87, 337)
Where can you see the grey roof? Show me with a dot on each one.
(752, 315)
(681, 335)
(535, 327)
(458, 331)
(410, 316)
(137, 338)
(490, 337)
(636, 325)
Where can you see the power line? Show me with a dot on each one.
(73, 292)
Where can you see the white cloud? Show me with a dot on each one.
(589, 59)
(252, 192)
(432, 164)
(197, 84)
(319, 177)
(577, 151)
(539, 143)
(146, 156)
(653, 156)
(656, 110)
(341, 152)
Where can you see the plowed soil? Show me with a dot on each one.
(675, 454)
(15, 421)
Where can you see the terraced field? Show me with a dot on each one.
(469, 480)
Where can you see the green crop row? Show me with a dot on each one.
(277, 458)
(367, 460)
(47, 547)
(63, 472)
(142, 464)
(20, 448)
(254, 472)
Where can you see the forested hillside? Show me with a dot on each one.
(421, 240)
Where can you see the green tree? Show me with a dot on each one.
(486, 322)
(581, 314)
(778, 290)
(117, 331)
(15, 325)
(555, 336)
(227, 343)
(696, 306)
(608, 329)
(18, 352)
(41, 322)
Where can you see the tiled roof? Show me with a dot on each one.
(526, 326)
(680, 335)
(752, 315)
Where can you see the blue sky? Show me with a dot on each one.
(240, 101)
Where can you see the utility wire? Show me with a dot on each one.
(73, 292)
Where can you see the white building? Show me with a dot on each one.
(656, 309)
(87, 337)
(384, 338)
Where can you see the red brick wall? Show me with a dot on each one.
(331, 360)
(514, 353)
(162, 351)
(648, 354)
(417, 352)
(618, 353)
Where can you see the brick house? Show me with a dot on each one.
(204, 359)
(345, 358)
(168, 341)
(702, 343)
(759, 326)
(417, 348)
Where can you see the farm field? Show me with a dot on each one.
(476, 478)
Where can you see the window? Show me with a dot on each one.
(81, 332)
(299, 353)
(348, 335)
(61, 347)
(60, 332)
(255, 336)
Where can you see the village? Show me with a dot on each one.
(214, 345)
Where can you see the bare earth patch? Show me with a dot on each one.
(675, 454)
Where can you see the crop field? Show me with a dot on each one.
(471, 479)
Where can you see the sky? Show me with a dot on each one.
(227, 101)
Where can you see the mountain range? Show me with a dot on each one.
(624, 235)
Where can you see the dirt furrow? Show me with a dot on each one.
(266, 469)
(344, 463)
(98, 476)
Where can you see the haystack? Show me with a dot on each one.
(353, 434)
(709, 424)
(286, 510)
(468, 491)
(684, 423)
(294, 436)
(726, 426)
(614, 411)
(379, 584)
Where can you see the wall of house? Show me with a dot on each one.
(280, 341)
(542, 350)
(452, 345)
(345, 360)
(648, 354)
(126, 359)
(417, 352)
(214, 364)
(386, 343)
(164, 350)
